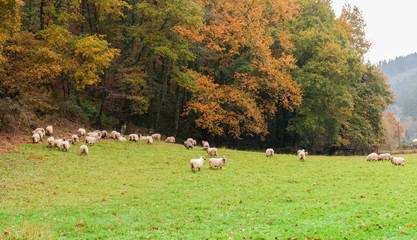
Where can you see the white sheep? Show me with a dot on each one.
(269, 152)
(66, 145)
(372, 157)
(217, 162)
(205, 145)
(36, 137)
(49, 130)
(170, 140)
(94, 134)
(197, 163)
(58, 143)
(192, 141)
(117, 135)
(84, 149)
(104, 134)
(188, 145)
(39, 131)
(212, 151)
(302, 154)
(384, 156)
(156, 137)
(91, 140)
(133, 137)
(50, 141)
(75, 138)
(397, 160)
(81, 132)
(148, 139)
(121, 138)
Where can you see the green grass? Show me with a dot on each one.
(126, 190)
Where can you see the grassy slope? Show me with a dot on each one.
(128, 190)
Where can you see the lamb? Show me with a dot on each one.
(212, 151)
(188, 145)
(49, 130)
(170, 140)
(36, 138)
(75, 138)
(205, 145)
(269, 152)
(66, 145)
(197, 163)
(384, 156)
(39, 131)
(50, 142)
(91, 140)
(372, 157)
(156, 137)
(84, 150)
(302, 154)
(133, 137)
(81, 132)
(217, 162)
(397, 160)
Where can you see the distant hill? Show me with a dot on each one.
(402, 74)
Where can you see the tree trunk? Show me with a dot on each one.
(177, 109)
(161, 94)
(41, 14)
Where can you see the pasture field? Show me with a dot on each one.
(125, 190)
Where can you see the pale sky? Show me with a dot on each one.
(391, 26)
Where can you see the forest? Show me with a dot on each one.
(245, 74)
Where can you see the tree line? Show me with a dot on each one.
(244, 74)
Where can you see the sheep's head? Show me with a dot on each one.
(224, 159)
(203, 158)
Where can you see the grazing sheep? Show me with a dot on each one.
(384, 156)
(269, 152)
(397, 160)
(50, 141)
(188, 145)
(96, 134)
(156, 137)
(133, 137)
(75, 138)
(302, 154)
(49, 130)
(197, 163)
(36, 138)
(58, 143)
(91, 140)
(212, 151)
(39, 131)
(81, 132)
(192, 141)
(121, 138)
(104, 134)
(84, 149)
(170, 140)
(205, 145)
(66, 145)
(148, 139)
(372, 157)
(112, 134)
(117, 135)
(217, 162)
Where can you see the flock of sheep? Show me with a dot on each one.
(386, 156)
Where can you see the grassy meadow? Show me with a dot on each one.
(125, 190)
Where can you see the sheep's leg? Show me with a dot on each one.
(199, 169)
(220, 168)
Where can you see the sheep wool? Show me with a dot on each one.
(170, 140)
(36, 138)
(269, 152)
(156, 137)
(148, 139)
(75, 138)
(49, 130)
(50, 141)
(197, 163)
(39, 131)
(133, 137)
(81, 132)
(217, 162)
(302, 154)
(91, 140)
(384, 156)
(122, 139)
(397, 161)
(191, 141)
(372, 157)
(58, 143)
(84, 149)
(212, 151)
(188, 145)
(104, 134)
(205, 145)
(66, 145)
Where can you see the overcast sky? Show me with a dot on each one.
(391, 26)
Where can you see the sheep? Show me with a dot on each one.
(112, 134)
(192, 141)
(188, 145)
(156, 137)
(397, 160)
(117, 135)
(217, 162)
(81, 132)
(170, 140)
(104, 134)
(39, 131)
(197, 163)
(302, 154)
(91, 140)
(50, 142)
(269, 152)
(133, 137)
(212, 151)
(84, 150)
(94, 134)
(121, 138)
(66, 145)
(58, 143)
(372, 157)
(384, 156)
(148, 139)
(49, 130)
(205, 145)
(75, 138)
(36, 137)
